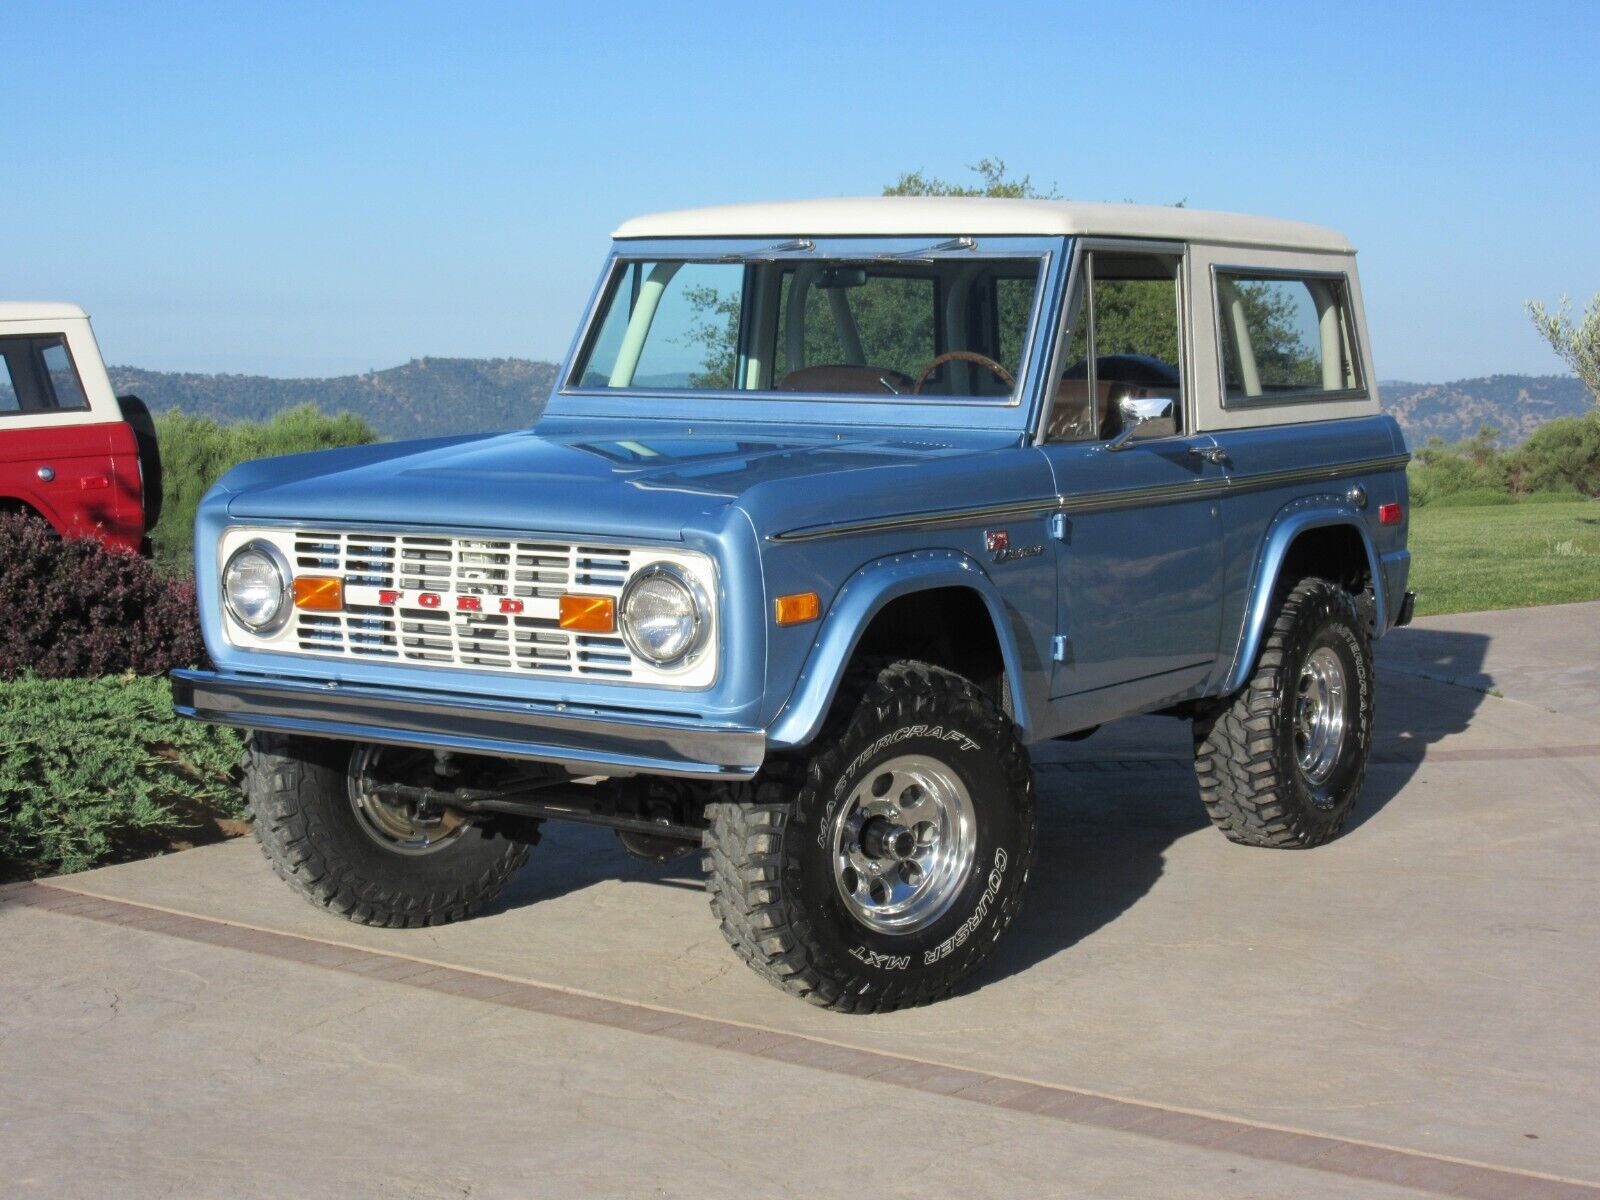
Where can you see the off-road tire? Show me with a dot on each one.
(1250, 778)
(137, 414)
(298, 795)
(769, 866)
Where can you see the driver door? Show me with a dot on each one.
(1140, 535)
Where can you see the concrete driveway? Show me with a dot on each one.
(1410, 1010)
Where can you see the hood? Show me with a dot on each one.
(652, 480)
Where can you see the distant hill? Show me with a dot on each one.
(423, 398)
(430, 396)
(1516, 405)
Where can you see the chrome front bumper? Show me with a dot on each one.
(584, 741)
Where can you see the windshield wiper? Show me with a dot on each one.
(921, 255)
(797, 246)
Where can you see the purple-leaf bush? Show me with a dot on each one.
(70, 607)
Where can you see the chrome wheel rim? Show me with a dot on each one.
(1319, 712)
(393, 825)
(903, 844)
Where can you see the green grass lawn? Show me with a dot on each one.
(1504, 556)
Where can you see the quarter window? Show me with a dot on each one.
(1285, 337)
(37, 375)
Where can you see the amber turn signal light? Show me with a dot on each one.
(797, 609)
(588, 614)
(319, 593)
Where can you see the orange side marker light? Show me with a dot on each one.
(797, 609)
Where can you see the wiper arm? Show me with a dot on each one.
(960, 243)
(792, 247)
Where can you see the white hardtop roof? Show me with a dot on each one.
(971, 216)
(39, 310)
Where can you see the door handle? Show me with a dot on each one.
(46, 474)
(1215, 455)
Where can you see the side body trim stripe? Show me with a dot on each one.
(1099, 501)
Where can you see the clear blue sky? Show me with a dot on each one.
(319, 188)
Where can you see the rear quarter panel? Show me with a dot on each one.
(96, 490)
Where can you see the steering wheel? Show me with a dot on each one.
(982, 360)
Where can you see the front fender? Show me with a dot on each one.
(862, 597)
(1310, 513)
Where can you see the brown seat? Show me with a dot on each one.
(843, 378)
(1070, 415)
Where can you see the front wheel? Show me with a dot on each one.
(1282, 764)
(881, 872)
(331, 834)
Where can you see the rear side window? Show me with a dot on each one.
(1285, 337)
(37, 375)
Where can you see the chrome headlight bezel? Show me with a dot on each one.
(280, 565)
(699, 613)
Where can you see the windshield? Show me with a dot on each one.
(953, 327)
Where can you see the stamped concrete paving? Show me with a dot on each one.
(1424, 984)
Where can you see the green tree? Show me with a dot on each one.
(991, 173)
(1576, 342)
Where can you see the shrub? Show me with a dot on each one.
(75, 608)
(196, 451)
(94, 769)
(1560, 456)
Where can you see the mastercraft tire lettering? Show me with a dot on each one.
(880, 872)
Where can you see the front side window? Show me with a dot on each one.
(1285, 337)
(37, 375)
(1125, 345)
(956, 327)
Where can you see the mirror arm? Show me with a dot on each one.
(1124, 439)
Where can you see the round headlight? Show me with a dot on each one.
(662, 618)
(255, 585)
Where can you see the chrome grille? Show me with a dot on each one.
(490, 568)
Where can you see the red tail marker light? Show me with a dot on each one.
(1388, 514)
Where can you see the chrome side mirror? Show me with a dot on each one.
(1146, 417)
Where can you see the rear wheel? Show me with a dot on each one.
(1282, 764)
(330, 833)
(880, 872)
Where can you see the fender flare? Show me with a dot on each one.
(864, 595)
(1313, 512)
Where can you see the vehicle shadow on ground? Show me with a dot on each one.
(570, 858)
(1431, 684)
(1109, 810)
(1110, 807)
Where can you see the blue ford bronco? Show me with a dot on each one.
(837, 508)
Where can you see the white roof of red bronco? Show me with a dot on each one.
(931, 216)
(39, 310)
